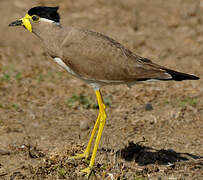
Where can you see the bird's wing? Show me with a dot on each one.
(96, 56)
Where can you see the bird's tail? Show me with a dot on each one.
(179, 76)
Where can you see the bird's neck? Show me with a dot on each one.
(45, 30)
(51, 34)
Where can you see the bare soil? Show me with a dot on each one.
(153, 131)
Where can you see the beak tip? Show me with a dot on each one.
(16, 23)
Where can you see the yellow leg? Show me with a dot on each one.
(102, 121)
(86, 153)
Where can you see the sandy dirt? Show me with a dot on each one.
(153, 131)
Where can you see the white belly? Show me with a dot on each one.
(62, 64)
(96, 84)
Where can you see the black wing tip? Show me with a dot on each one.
(178, 76)
(57, 7)
(195, 77)
(192, 77)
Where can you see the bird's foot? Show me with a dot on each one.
(87, 171)
(83, 155)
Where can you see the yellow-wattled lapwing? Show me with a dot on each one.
(93, 58)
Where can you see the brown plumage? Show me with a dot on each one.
(98, 58)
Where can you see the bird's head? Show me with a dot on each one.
(36, 15)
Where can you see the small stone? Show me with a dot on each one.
(148, 107)
(84, 125)
(4, 152)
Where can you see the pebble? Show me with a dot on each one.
(4, 152)
(84, 125)
(148, 107)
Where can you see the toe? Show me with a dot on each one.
(79, 156)
(87, 171)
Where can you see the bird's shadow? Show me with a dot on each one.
(144, 155)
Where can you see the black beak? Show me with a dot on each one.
(16, 23)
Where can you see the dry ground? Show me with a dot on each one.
(40, 129)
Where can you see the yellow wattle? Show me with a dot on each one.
(26, 22)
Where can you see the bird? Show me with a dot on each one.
(94, 58)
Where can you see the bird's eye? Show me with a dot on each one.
(35, 18)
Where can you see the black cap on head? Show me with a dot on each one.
(45, 12)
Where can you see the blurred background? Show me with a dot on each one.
(46, 114)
